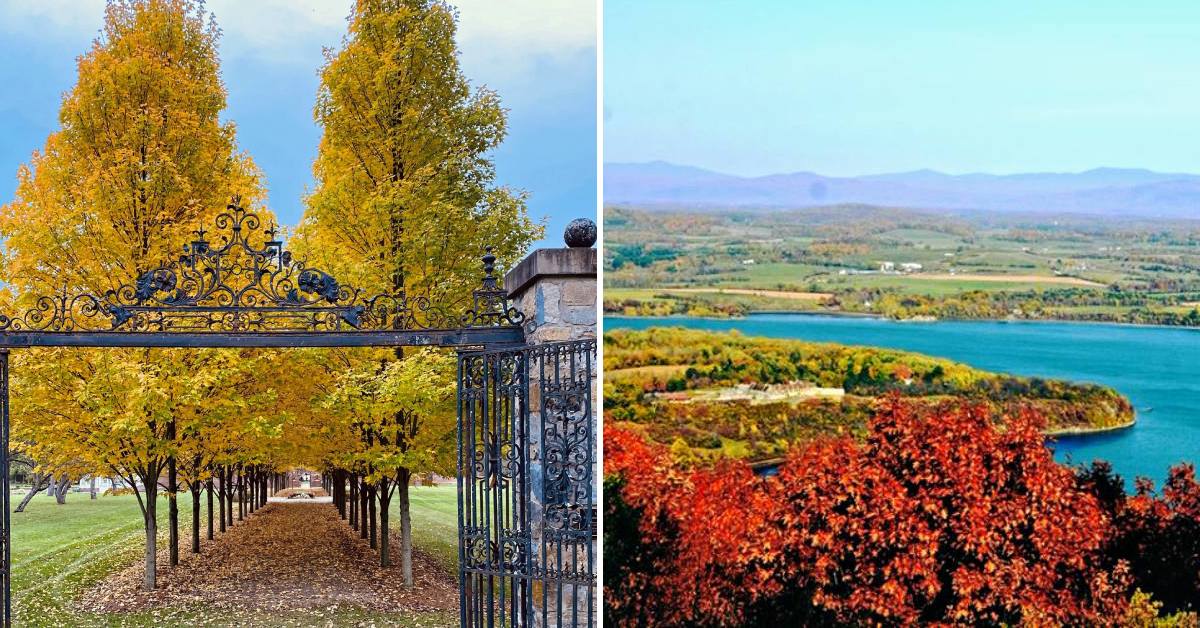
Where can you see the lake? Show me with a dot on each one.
(1157, 368)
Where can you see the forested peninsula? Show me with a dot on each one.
(712, 395)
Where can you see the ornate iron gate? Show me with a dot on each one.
(527, 471)
(239, 286)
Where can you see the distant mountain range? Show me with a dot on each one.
(1104, 191)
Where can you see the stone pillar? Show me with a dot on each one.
(555, 290)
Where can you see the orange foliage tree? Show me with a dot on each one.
(1156, 533)
(939, 517)
(942, 516)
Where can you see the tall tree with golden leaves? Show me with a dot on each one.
(406, 199)
(141, 158)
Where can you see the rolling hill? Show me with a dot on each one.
(1104, 191)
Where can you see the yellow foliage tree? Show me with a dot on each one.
(406, 200)
(141, 158)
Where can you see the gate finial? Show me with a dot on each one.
(489, 269)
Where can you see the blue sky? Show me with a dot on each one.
(862, 86)
(540, 57)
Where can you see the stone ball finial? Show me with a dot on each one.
(580, 233)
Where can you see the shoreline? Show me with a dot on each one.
(1071, 432)
(880, 317)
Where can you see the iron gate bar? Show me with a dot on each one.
(6, 533)
(485, 336)
(495, 568)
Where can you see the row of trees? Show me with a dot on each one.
(404, 202)
(938, 517)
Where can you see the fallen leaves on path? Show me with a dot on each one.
(285, 557)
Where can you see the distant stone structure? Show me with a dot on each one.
(302, 478)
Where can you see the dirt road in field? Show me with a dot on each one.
(777, 294)
(1055, 279)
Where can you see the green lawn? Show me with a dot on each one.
(434, 521)
(58, 552)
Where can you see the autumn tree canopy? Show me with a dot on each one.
(941, 516)
(406, 202)
(140, 159)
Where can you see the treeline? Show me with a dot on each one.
(676, 305)
(1070, 304)
(1079, 304)
(938, 516)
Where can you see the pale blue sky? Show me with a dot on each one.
(540, 56)
(861, 87)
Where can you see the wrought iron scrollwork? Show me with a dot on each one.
(244, 279)
(564, 375)
(491, 306)
(527, 472)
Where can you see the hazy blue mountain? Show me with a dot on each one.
(1110, 191)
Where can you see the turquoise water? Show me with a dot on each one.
(1157, 368)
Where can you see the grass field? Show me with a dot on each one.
(59, 552)
(434, 522)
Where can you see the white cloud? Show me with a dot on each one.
(501, 40)
(500, 35)
(70, 18)
(530, 26)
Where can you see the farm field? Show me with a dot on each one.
(901, 263)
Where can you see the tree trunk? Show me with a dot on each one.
(195, 486)
(353, 502)
(340, 478)
(60, 491)
(405, 528)
(372, 515)
(229, 490)
(364, 528)
(221, 498)
(92, 488)
(241, 491)
(208, 490)
(41, 482)
(150, 519)
(172, 509)
(384, 500)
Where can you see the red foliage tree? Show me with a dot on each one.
(944, 517)
(639, 536)
(1156, 534)
(713, 533)
(939, 517)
